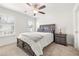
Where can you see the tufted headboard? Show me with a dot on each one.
(47, 28)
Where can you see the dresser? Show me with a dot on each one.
(61, 39)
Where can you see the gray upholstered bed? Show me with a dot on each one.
(26, 47)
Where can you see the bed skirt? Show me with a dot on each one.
(25, 47)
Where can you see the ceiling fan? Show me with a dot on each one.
(36, 8)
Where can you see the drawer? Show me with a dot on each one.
(28, 49)
(20, 43)
(57, 39)
(60, 40)
(26, 46)
(60, 35)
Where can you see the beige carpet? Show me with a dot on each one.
(60, 50)
(11, 50)
(51, 50)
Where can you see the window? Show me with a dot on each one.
(30, 25)
(6, 25)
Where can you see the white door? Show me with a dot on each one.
(76, 29)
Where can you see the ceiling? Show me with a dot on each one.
(25, 9)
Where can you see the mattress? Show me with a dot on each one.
(37, 40)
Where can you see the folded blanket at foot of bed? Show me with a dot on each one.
(37, 40)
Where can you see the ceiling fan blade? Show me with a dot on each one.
(28, 4)
(42, 7)
(41, 12)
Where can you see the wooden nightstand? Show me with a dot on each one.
(60, 39)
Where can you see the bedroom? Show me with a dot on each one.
(17, 18)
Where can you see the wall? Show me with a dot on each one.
(21, 23)
(62, 18)
(21, 20)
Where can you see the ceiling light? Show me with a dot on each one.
(35, 11)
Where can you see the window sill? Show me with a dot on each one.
(7, 35)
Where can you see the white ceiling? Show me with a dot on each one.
(22, 7)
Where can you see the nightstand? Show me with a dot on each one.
(60, 39)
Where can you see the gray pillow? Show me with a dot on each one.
(40, 30)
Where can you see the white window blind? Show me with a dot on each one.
(7, 24)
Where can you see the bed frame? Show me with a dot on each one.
(43, 28)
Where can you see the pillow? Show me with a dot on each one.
(40, 30)
(47, 29)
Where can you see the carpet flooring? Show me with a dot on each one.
(52, 50)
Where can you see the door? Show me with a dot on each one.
(76, 28)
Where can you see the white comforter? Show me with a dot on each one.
(37, 40)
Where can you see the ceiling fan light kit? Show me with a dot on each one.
(36, 8)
